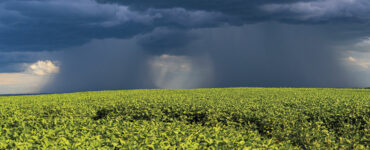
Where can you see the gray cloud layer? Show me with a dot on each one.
(273, 54)
(35, 25)
(323, 10)
(260, 10)
(108, 44)
(101, 65)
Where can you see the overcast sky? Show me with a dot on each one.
(81, 45)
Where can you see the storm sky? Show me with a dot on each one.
(49, 46)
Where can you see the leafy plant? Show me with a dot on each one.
(229, 118)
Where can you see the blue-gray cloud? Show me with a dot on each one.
(17, 61)
(166, 41)
(251, 11)
(36, 25)
(322, 11)
(107, 44)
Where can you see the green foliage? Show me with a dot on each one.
(230, 118)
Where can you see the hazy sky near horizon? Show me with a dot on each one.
(81, 45)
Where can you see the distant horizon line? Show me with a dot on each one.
(82, 91)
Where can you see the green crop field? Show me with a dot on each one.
(229, 118)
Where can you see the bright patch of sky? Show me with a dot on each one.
(30, 80)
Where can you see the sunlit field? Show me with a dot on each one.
(228, 118)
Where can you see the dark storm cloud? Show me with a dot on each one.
(166, 41)
(248, 10)
(273, 55)
(322, 11)
(17, 61)
(49, 25)
(251, 11)
(108, 64)
(116, 44)
(346, 20)
(36, 25)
